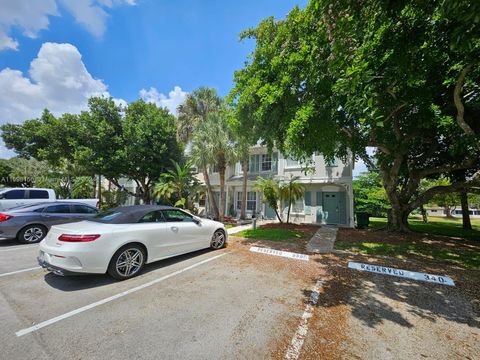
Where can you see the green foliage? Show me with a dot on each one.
(271, 234)
(213, 145)
(437, 226)
(113, 198)
(82, 187)
(196, 108)
(177, 186)
(136, 142)
(291, 191)
(344, 75)
(270, 188)
(370, 194)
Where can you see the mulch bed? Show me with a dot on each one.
(306, 228)
(466, 279)
(380, 236)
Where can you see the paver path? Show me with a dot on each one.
(323, 240)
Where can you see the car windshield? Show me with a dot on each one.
(106, 215)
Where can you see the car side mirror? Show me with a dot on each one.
(196, 220)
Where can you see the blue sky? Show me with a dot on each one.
(56, 53)
(155, 43)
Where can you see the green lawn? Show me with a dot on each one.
(270, 234)
(437, 226)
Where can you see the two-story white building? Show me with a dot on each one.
(328, 197)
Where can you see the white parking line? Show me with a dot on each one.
(20, 271)
(111, 298)
(21, 247)
(293, 351)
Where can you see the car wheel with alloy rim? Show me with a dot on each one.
(32, 234)
(218, 239)
(127, 262)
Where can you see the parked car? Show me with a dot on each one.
(122, 240)
(13, 197)
(30, 223)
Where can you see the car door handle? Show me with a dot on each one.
(174, 228)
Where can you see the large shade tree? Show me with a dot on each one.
(137, 142)
(402, 77)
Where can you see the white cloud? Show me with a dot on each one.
(32, 16)
(175, 98)
(58, 80)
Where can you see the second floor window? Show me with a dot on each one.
(263, 163)
(292, 163)
(266, 162)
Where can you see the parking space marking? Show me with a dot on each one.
(20, 271)
(21, 247)
(385, 270)
(274, 252)
(111, 298)
(293, 351)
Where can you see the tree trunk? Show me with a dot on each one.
(398, 219)
(94, 183)
(244, 189)
(221, 206)
(448, 212)
(466, 223)
(100, 189)
(424, 214)
(278, 215)
(211, 200)
(289, 204)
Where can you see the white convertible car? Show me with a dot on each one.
(122, 240)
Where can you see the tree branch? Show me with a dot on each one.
(457, 99)
(444, 189)
(115, 182)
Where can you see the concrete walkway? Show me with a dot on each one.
(323, 240)
(239, 228)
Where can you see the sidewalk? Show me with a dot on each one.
(239, 228)
(323, 240)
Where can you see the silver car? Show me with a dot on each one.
(29, 224)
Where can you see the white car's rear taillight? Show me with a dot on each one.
(78, 238)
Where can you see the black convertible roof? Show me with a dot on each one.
(127, 214)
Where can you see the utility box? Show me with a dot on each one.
(363, 219)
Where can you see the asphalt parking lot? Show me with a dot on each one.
(205, 305)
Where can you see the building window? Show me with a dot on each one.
(298, 206)
(251, 201)
(214, 169)
(292, 163)
(266, 162)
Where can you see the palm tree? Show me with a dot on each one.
(243, 155)
(200, 155)
(220, 149)
(179, 181)
(291, 191)
(270, 188)
(196, 108)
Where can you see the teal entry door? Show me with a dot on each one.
(269, 213)
(331, 207)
